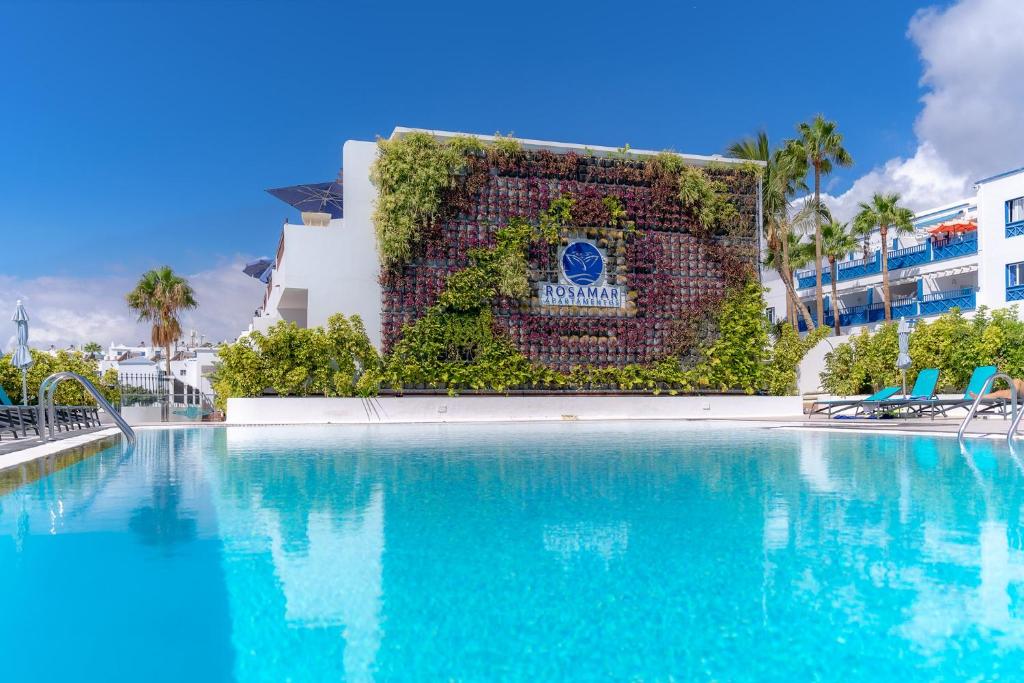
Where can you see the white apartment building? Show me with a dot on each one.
(191, 364)
(966, 254)
(328, 263)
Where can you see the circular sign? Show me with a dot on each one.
(582, 263)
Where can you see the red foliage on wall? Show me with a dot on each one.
(674, 272)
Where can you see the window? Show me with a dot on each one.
(182, 373)
(1015, 210)
(1015, 274)
(770, 312)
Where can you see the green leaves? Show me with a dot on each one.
(158, 298)
(411, 174)
(706, 200)
(293, 361)
(68, 393)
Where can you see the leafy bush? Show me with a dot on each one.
(293, 361)
(952, 343)
(68, 393)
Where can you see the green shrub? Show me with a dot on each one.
(788, 350)
(45, 364)
(293, 361)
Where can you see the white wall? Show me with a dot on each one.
(995, 250)
(360, 291)
(334, 268)
(810, 368)
(269, 410)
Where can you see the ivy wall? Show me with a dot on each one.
(677, 238)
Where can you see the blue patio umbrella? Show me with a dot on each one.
(317, 197)
(903, 360)
(21, 358)
(260, 269)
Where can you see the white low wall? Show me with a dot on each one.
(270, 410)
(813, 364)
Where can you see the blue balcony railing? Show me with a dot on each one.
(940, 302)
(955, 247)
(1015, 293)
(928, 251)
(1015, 229)
(931, 304)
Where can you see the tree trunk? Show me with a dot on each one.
(884, 232)
(167, 359)
(791, 312)
(835, 297)
(787, 280)
(817, 242)
(867, 245)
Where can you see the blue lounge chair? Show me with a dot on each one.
(975, 386)
(835, 407)
(921, 394)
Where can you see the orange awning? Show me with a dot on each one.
(953, 227)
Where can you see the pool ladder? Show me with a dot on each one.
(1016, 415)
(48, 413)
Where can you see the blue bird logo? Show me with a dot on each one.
(582, 263)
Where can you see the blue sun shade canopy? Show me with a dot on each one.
(260, 269)
(318, 197)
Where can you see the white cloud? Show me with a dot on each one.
(970, 123)
(75, 310)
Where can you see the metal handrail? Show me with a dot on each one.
(1012, 431)
(47, 389)
(981, 395)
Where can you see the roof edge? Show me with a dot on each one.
(693, 159)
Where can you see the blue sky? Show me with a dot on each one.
(146, 132)
(142, 133)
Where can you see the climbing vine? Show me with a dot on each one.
(412, 174)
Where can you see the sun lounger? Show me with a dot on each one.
(833, 407)
(921, 394)
(942, 406)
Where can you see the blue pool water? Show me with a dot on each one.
(516, 552)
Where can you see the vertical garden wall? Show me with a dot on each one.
(674, 240)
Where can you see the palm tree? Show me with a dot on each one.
(836, 241)
(884, 210)
(158, 298)
(821, 145)
(783, 175)
(862, 230)
(92, 349)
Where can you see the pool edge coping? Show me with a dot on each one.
(53, 448)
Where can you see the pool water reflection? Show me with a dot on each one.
(521, 552)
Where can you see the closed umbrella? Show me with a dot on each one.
(903, 359)
(21, 358)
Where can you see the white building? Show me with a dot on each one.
(966, 254)
(191, 364)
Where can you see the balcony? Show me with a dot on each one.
(927, 252)
(1015, 293)
(930, 304)
(1015, 229)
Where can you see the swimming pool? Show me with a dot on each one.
(519, 552)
